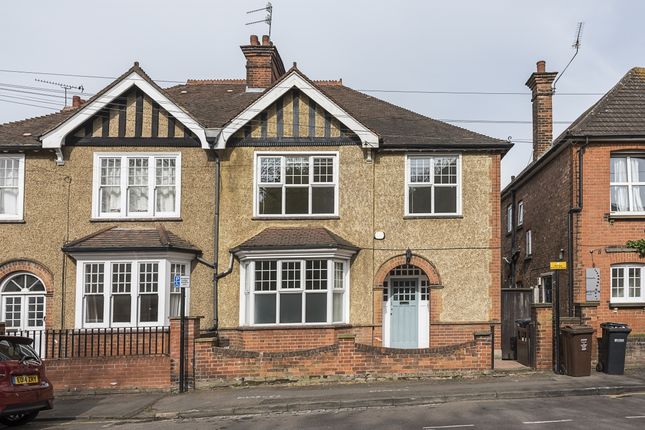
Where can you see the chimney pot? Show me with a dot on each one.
(254, 40)
(263, 63)
(265, 40)
(76, 101)
(541, 66)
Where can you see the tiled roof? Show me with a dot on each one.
(116, 239)
(215, 102)
(295, 238)
(620, 112)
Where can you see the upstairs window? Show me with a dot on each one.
(12, 185)
(433, 185)
(136, 186)
(627, 183)
(529, 243)
(509, 218)
(297, 185)
(627, 284)
(520, 213)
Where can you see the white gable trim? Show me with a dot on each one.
(369, 139)
(54, 139)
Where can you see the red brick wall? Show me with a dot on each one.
(446, 334)
(597, 232)
(345, 359)
(104, 373)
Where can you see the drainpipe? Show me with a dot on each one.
(216, 242)
(513, 239)
(574, 210)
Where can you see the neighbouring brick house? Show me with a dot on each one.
(580, 201)
(329, 211)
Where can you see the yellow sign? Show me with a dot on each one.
(558, 265)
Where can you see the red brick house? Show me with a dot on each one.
(580, 201)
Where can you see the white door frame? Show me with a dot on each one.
(423, 313)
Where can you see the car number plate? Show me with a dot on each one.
(26, 379)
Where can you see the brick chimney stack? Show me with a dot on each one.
(541, 85)
(263, 63)
(77, 102)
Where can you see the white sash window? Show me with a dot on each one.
(12, 186)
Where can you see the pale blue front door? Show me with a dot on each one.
(404, 313)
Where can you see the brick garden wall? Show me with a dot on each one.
(105, 373)
(345, 359)
(635, 351)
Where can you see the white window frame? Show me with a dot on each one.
(152, 185)
(283, 155)
(625, 278)
(629, 184)
(163, 289)
(24, 297)
(520, 213)
(248, 293)
(432, 185)
(539, 293)
(509, 218)
(19, 216)
(529, 243)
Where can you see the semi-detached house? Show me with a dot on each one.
(323, 209)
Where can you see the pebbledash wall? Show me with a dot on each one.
(58, 198)
(464, 250)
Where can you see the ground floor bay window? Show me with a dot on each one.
(122, 292)
(294, 291)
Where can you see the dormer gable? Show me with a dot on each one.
(119, 111)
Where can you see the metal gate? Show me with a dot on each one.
(516, 305)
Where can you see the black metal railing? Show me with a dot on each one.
(98, 342)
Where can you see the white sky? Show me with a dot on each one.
(430, 45)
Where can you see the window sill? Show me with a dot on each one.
(311, 326)
(627, 305)
(435, 216)
(12, 221)
(528, 258)
(294, 218)
(135, 219)
(519, 227)
(626, 215)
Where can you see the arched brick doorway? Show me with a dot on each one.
(404, 305)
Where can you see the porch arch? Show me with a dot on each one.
(416, 260)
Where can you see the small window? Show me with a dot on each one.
(297, 185)
(433, 185)
(509, 218)
(520, 213)
(12, 186)
(627, 283)
(529, 243)
(544, 290)
(627, 183)
(136, 186)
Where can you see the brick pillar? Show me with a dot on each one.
(192, 333)
(542, 317)
(484, 349)
(346, 348)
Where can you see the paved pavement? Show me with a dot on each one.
(274, 398)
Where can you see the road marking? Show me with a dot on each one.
(546, 422)
(635, 417)
(258, 397)
(391, 390)
(449, 427)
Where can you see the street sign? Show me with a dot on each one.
(558, 265)
(176, 281)
(184, 282)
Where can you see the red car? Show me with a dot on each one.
(24, 388)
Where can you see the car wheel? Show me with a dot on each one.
(18, 419)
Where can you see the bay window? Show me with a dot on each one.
(296, 184)
(627, 183)
(12, 186)
(296, 291)
(127, 293)
(433, 185)
(627, 283)
(136, 185)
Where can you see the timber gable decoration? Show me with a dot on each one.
(120, 103)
